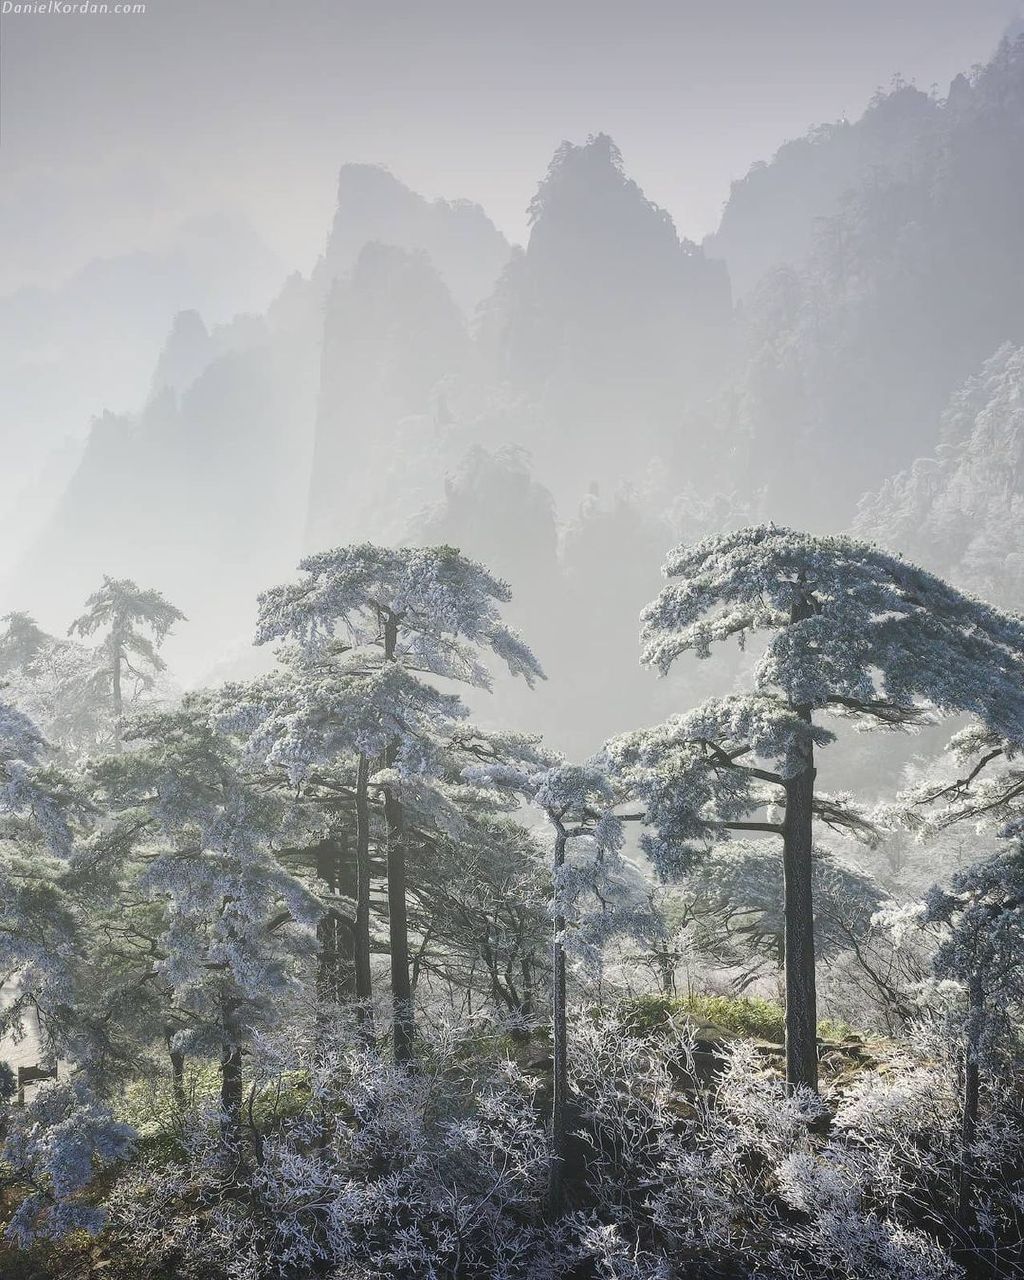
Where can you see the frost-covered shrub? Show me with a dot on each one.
(777, 1182)
(53, 1149)
(384, 1173)
(346, 1166)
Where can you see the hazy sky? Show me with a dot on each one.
(117, 126)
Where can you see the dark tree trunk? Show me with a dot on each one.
(666, 973)
(118, 699)
(972, 1099)
(398, 928)
(801, 991)
(526, 970)
(361, 927)
(798, 864)
(559, 1056)
(403, 1019)
(335, 976)
(177, 1069)
(231, 1085)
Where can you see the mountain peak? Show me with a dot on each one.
(586, 183)
(185, 353)
(465, 247)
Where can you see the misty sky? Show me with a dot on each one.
(116, 127)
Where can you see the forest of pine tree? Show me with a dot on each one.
(512, 757)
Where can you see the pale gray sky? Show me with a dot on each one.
(117, 126)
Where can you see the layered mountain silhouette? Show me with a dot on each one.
(90, 344)
(776, 212)
(569, 409)
(849, 357)
(466, 248)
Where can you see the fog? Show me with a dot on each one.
(512, 639)
(206, 375)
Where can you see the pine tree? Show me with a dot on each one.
(595, 897)
(850, 631)
(982, 949)
(125, 610)
(234, 928)
(417, 612)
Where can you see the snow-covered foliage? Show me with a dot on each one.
(735, 901)
(692, 777)
(122, 608)
(167, 914)
(53, 1149)
(128, 659)
(364, 629)
(234, 926)
(366, 1169)
(597, 894)
(981, 913)
(979, 783)
(31, 791)
(377, 1171)
(847, 630)
(54, 889)
(879, 637)
(443, 606)
(338, 706)
(852, 632)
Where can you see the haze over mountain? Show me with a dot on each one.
(67, 350)
(601, 386)
(851, 353)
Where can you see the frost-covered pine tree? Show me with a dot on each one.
(59, 891)
(235, 930)
(414, 612)
(981, 914)
(978, 781)
(849, 631)
(51, 951)
(63, 686)
(22, 641)
(38, 929)
(125, 611)
(322, 726)
(596, 895)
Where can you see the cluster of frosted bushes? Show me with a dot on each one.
(350, 1167)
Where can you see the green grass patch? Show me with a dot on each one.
(748, 1016)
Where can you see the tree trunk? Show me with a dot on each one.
(559, 1056)
(177, 1069)
(403, 1020)
(526, 970)
(798, 863)
(118, 700)
(335, 973)
(335, 970)
(361, 928)
(666, 972)
(801, 992)
(398, 929)
(972, 1098)
(231, 1085)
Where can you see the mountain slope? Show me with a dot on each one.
(849, 359)
(467, 250)
(961, 510)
